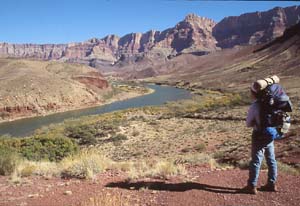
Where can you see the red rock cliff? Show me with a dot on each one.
(255, 28)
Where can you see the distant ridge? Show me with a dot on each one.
(194, 34)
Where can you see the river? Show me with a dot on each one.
(162, 94)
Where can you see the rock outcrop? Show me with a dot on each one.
(192, 34)
(37, 51)
(255, 28)
(92, 79)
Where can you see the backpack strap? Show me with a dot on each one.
(262, 115)
(272, 78)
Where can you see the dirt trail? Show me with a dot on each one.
(201, 186)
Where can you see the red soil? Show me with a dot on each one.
(201, 186)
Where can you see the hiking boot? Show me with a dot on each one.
(271, 187)
(249, 189)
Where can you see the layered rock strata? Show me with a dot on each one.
(255, 28)
(192, 34)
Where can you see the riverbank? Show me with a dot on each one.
(120, 95)
(161, 95)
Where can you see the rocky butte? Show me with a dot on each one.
(194, 34)
(255, 28)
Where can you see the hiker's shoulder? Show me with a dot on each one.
(255, 104)
(255, 107)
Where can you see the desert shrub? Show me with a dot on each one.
(212, 100)
(135, 133)
(117, 139)
(88, 134)
(25, 169)
(219, 155)
(222, 100)
(200, 147)
(84, 134)
(9, 159)
(183, 106)
(42, 147)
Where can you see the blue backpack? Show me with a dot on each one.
(275, 105)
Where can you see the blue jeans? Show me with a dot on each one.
(260, 148)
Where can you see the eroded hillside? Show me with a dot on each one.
(35, 87)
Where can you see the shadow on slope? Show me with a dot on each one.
(174, 187)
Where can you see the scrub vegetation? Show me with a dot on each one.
(156, 142)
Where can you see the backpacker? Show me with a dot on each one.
(275, 105)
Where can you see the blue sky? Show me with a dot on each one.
(63, 21)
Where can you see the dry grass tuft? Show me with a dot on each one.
(27, 168)
(47, 169)
(15, 178)
(198, 159)
(161, 169)
(107, 199)
(287, 169)
(84, 165)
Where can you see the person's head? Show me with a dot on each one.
(254, 89)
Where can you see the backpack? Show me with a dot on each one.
(275, 104)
